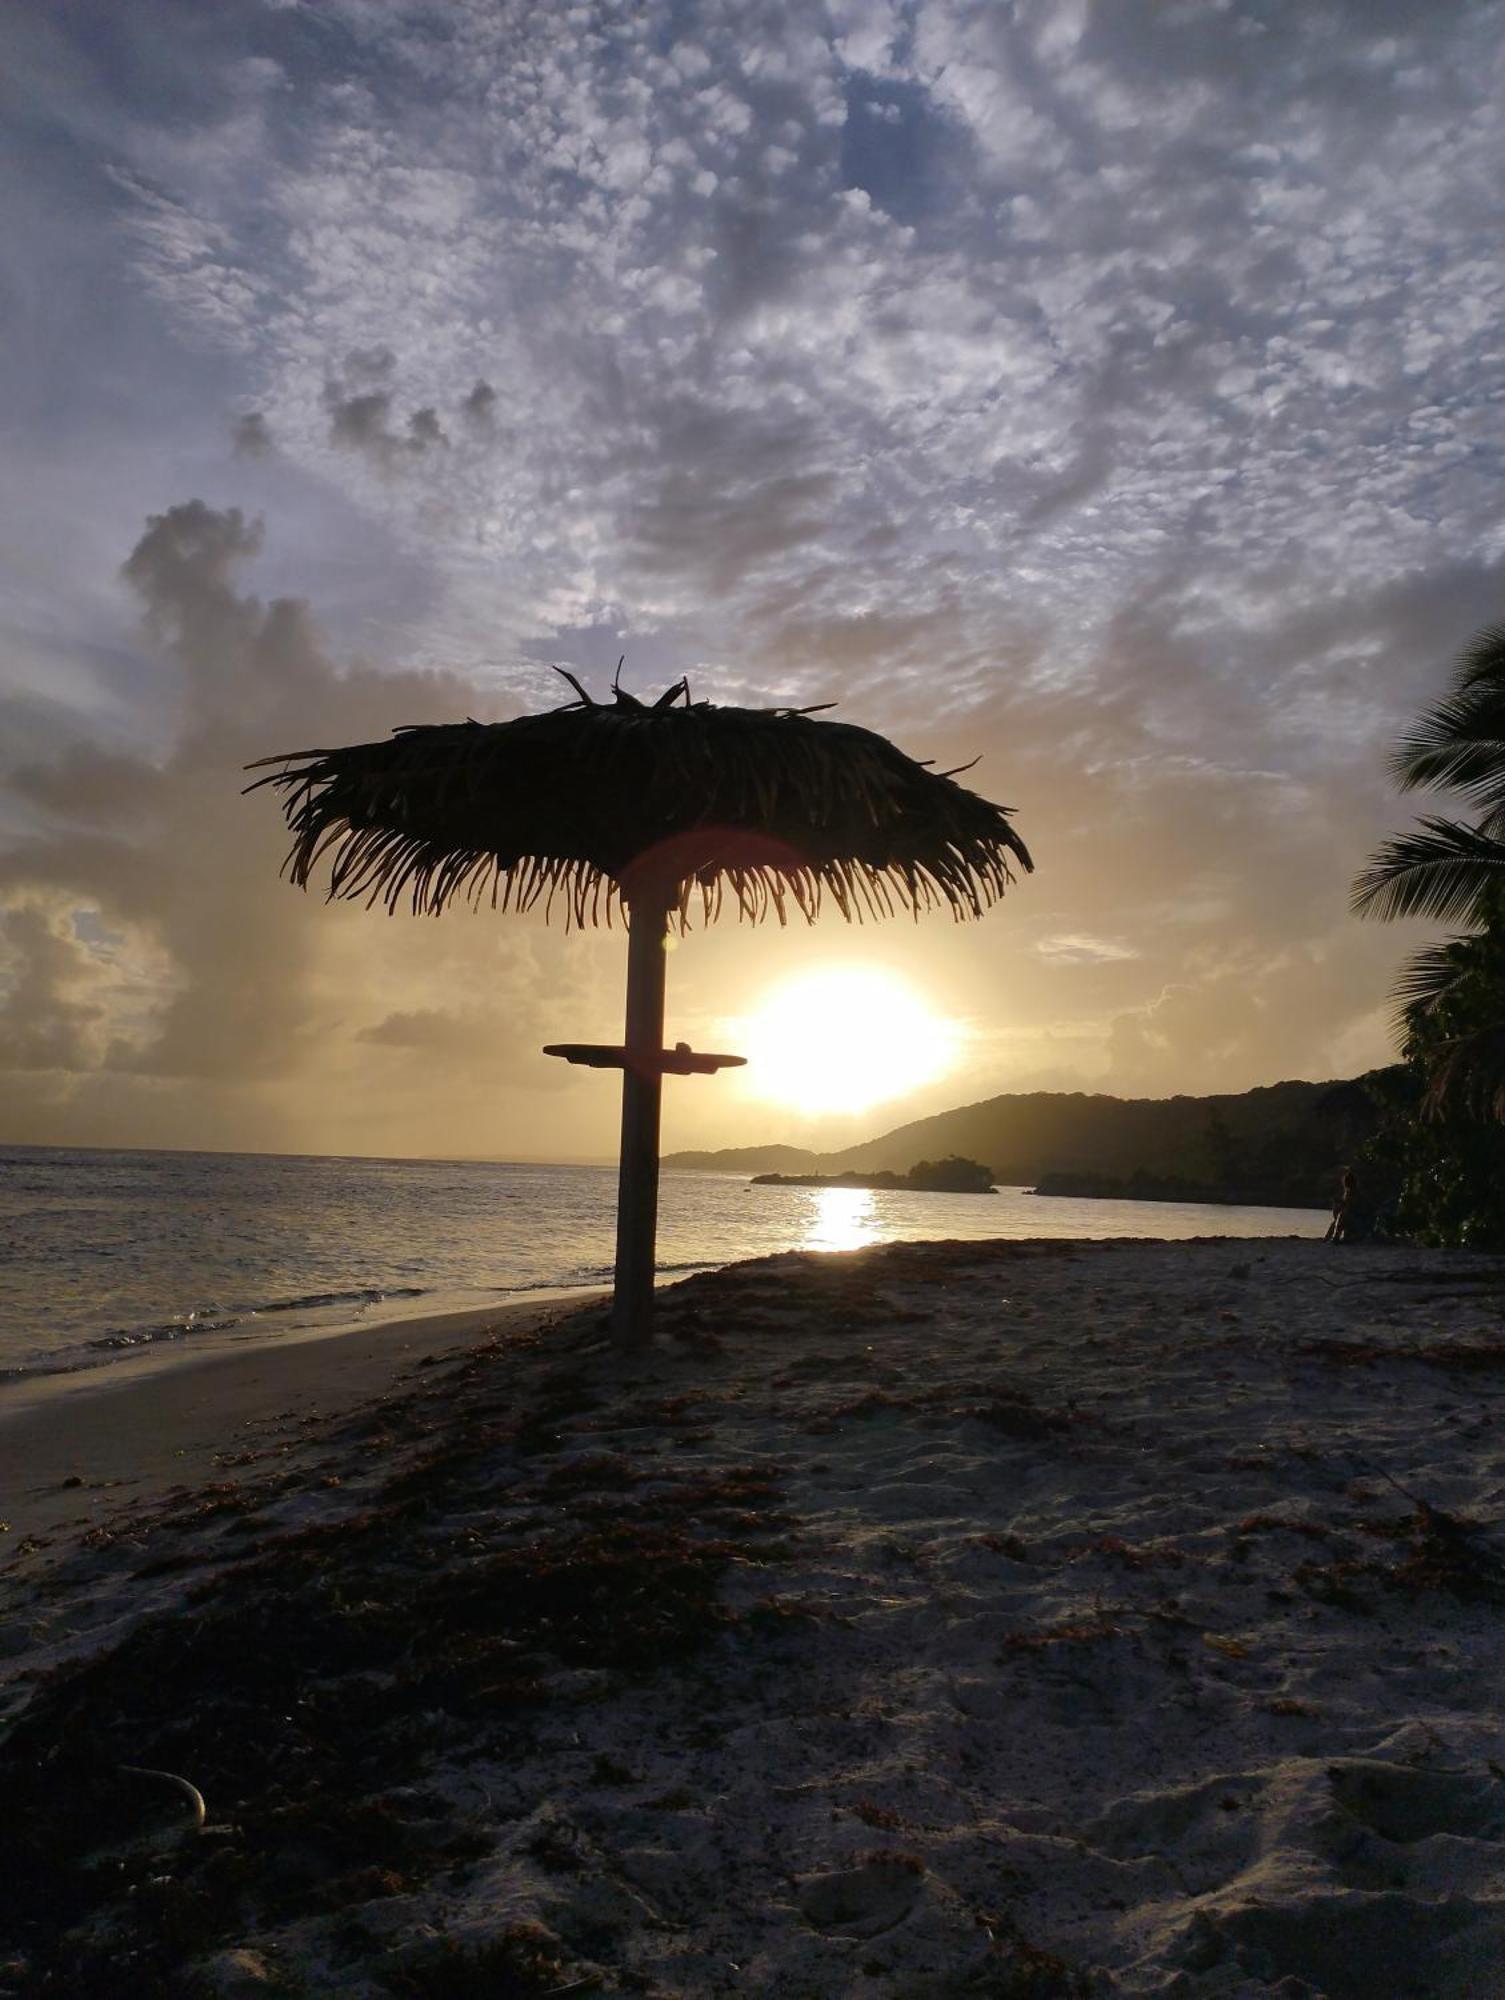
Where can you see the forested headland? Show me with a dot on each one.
(1284, 1144)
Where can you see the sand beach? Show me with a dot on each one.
(1011, 1619)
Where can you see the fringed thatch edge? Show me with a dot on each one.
(382, 866)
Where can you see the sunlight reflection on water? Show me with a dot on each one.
(126, 1249)
(839, 1219)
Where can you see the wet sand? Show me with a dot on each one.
(73, 1447)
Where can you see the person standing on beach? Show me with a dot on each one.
(1342, 1220)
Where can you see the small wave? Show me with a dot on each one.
(367, 1295)
(224, 1319)
(171, 1329)
(573, 1281)
(25, 1371)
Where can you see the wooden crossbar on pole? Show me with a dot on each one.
(644, 1062)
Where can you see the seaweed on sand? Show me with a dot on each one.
(519, 1964)
(1445, 1551)
(1460, 1357)
(308, 1684)
(1437, 1551)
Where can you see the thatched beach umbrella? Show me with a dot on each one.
(653, 809)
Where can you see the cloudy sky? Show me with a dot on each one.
(1116, 391)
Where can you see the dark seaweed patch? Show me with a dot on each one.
(304, 1685)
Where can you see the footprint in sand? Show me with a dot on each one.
(861, 1901)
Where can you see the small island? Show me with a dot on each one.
(952, 1175)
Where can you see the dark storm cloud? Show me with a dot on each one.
(47, 1020)
(363, 423)
(479, 407)
(361, 417)
(173, 847)
(251, 435)
(491, 1042)
(159, 978)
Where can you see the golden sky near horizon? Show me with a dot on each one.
(1108, 394)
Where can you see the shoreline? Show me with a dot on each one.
(49, 1325)
(128, 1430)
(261, 1327)
(130, 1427)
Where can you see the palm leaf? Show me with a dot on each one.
(1447, 871)
(1459, 744)
(1427, 979)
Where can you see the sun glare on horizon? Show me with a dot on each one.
(843, 1038)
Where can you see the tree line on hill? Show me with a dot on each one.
(1278, 1145)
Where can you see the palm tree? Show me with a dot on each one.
(1454, 872)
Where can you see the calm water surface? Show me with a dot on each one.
(102, 1253)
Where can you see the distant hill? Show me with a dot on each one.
(1277, 1144)
(747, 1160)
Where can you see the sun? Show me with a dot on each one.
(842, 1038)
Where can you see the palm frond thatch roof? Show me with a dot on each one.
(593, 801)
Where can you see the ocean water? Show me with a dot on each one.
(104, 1253)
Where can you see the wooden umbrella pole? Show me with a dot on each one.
(642, 1090)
